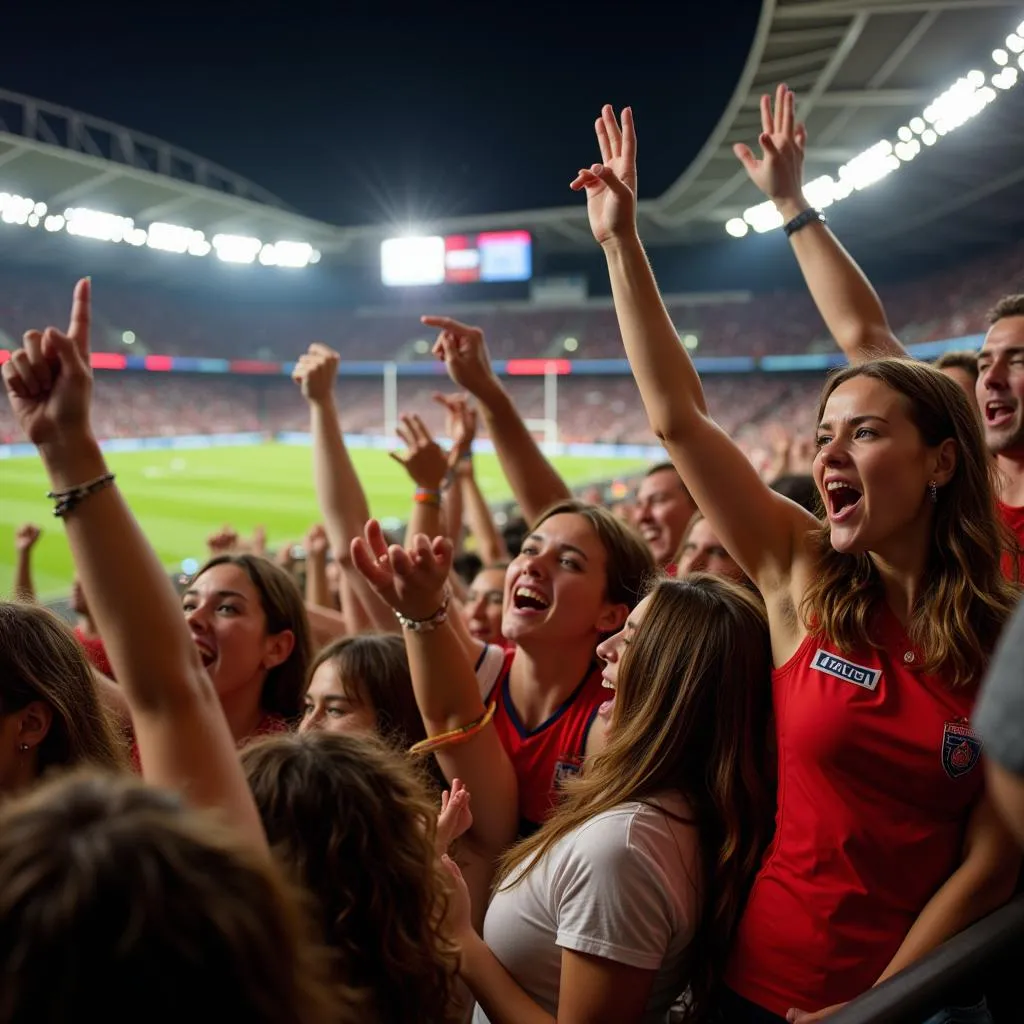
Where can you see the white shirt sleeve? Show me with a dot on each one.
(623, 892)
(488, 668)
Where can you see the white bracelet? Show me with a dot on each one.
(429, 624)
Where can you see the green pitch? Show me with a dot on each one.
(181, 497)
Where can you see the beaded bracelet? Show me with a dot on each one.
(454, 736)
(426, 496)
(67, 500)
(428, 625)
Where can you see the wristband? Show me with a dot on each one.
(426, 496)
(453, 736)
(429, 624)
(67, 500)
(802, 219)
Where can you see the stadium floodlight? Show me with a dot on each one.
(412, 261)
(15, 209)
(55, 222)
(97, 224)
(128, 337)
(236, 248)
(963, 100)
(736, 226)
(172, 237)
(286, 254)
(39, 209)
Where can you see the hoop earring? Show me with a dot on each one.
(933, 491)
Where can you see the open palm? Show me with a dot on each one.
(611, 184)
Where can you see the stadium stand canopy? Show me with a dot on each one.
(861, 69)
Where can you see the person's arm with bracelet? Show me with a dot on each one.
(848, 304)
(535, 483)
(339, 491)
(25, 539)
(183, 737)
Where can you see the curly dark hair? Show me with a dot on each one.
(353, 822)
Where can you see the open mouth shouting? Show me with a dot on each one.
(529, 600)
(999, 412)
(843, 499)
(206, 651)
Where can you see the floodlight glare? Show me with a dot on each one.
(1000, 56)
(736, 226)
(905, 134)
(1014, 43)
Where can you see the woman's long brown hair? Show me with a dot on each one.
(691, 716)
(964, 598)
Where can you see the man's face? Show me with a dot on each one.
(662, 513)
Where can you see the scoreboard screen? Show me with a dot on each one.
(488, 257)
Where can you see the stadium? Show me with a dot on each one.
(209, 289)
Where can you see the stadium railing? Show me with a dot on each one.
(916, 993)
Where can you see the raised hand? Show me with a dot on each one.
(49, 381)
(412, 581)
(779, 173)
(223, 542)
(424, 460)
(25, 537)
(459, 424)
(316, 371)
(316, 541)
(465, 355)
(611, 184)
(258, 543)
(456, 817)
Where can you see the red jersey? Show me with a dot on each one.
(94, 650)
(1013, 517)
(878, 772)
(552, 752)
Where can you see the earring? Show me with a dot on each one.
(23, 748)
(933, 491)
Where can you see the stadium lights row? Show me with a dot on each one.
(965, 99)
(109, 227)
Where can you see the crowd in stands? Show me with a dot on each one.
(949, 304)
(709, 754)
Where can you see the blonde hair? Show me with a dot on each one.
(964, 599)
(691, 715)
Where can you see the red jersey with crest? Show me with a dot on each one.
(878, 773)
(1013, 517)
(552, 752)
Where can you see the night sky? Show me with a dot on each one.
(359, 114)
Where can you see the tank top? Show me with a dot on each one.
(1013, 517)
(878, 773)
(544, 757)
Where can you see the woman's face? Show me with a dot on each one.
(229, 628)
(331, 707)
(555, 587)
(611, 652)
(483, 606)
(873, 467)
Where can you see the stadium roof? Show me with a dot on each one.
(860, 68)
(65, 158)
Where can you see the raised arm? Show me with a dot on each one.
(182, 734)
(427, 465)
(25, 538)
(414, 582)
(534, 481)
(759, 527)
(339, 491)
(848, 304)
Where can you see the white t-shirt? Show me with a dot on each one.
(623, 886)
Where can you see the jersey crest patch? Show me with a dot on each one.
(832, 665)
(566, 768)
(961, 749)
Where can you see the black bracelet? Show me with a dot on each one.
(67, 500)
(802, 219)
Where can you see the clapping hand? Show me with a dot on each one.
(411, 580)
(315, 373)
(611, 184)
(424, 460)
(779, 172)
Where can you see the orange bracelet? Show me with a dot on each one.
(454, 736)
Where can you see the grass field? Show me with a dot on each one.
(181, 497)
